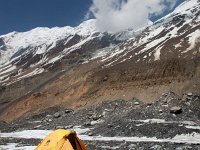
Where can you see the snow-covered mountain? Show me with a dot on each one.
(29, 53)
(176, 35)
(42, 38)
(25, 54)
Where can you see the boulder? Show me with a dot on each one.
(157, 147)
(90, 134)
(87, 124)
(176, 110)
(69, 127)
(57, 115)
(136, 103)
(38, 126)
(109, 125)
(50, 120)
(68, 111)
(165, 101)
(105, 79)
(96, 117)
(190, 94)
(48, 116)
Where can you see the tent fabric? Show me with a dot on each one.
(61, 140)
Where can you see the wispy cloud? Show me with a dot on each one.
(117, 15)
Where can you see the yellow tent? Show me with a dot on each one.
(61, 140)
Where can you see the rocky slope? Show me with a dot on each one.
(74, 67)
(171, 122)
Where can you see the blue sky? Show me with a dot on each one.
(23, 15)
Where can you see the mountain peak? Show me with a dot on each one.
(15, 41)
(87, 27)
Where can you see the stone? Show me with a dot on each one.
(176, 110)
(48, 116)
(188, 103)
(190, 94)
(165, 105)
(107, 110)
(60, 127)
(132, 145)
(69, 127)
(189, 98)
(189, 147)
(185, 97)
(110, 125)
(90, 134)
(56, 115)
(87, 124)
(38, 126)
(179, 148)
(136, 103)
(160, 111)
(50, 120)
(174, 115)
(156, 147)
(90, 114)
(105, 78)
(116, 104)
(89, 117)
(68, 111)
(165, 101)
(95, 117)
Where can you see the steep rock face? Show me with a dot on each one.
(88, 67)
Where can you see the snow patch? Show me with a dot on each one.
(8, 70)
(177, 45)
(54, 59)
(102, 52)
(193, 127)
(14, 146)
(193, 138)
(41, 49)
(193, 39)
(154, 120)
(157, 53)
(34, 72)
(27, 134)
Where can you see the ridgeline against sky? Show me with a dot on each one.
(23, 15)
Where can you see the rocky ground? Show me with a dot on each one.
(171, 122)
